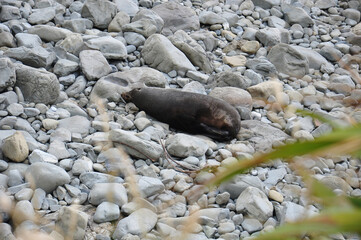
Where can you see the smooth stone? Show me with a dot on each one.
(183, 145)
(93, 64)
(92, 178)
(106, 212)
(23, 211)
(71, 223)
(251, 225)
(38, 198)
(15, 147)
(100, 13)
(49, 33)
(149, 186)
(110, 47)
(108, 192)
(237, 185)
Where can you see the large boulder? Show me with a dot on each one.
(100, 13)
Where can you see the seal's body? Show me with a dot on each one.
(190, 112)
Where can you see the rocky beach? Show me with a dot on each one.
(76, 162)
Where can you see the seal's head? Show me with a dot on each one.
(128, 96)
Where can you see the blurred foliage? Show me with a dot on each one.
(339, 214)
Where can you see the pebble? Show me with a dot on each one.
(63, 66)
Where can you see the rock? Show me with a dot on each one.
(315, 60)
(49, 33)
(235, 61)
(262, 66)
(58, 149)
(93, 64)
(71, 108)
(151, 16)
(100, 13)
(6, 39)
(128, 6)
(183, 145)
(266, 4)
(42, 16)
(23, 211)
(5, 231)
(292, 212)
(34, 57)
(272, 36)
(118, 21)
(235, 96)
(250, 47)
(251, 225)
(75, 124)
(149, 186)
(78, 25)
(15, 147)
(32, 143)
(176, 17)
(325, 4)
(238, 184)
(41, 156)
(81, 166)
(9, 12)
(7, 74)
(192, 50)
(136, 223)
(91, 178)
(46, 176)
(37, 85)
(297, 15)
(288, 60)
(38, 198)
(71, 223)
(262, 135)
(111, 86)
(266, 89)
(274, 195)
(255, 203)
(141, 26)
(210, 18)
(160, 53)
(335, 182)
(111, 48)
(108, 192)
(28, 40)
(136, 146)
(331, 54)
(274, 176)
(77, 87)
(64, 67)
(106, 212)
(229, 79)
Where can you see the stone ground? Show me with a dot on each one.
(78, 163)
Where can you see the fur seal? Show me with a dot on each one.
(191, 112)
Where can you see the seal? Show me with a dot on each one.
(190, 112)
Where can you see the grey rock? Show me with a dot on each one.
(41, 16)
(111, 86)
(325, 4)
(226, 227)
(128, 6)
(292, 212)
(34, 57)
(24, 194)
(64, 67)
(315, 60)
(81, 166)
(106, 212)
(113, 161)
(195, 53)
(262, 135)
(70, 107)
(205, 37)
(5, 232)
(100, 13)
(272, 36)
(149, 186)
(40, 156)
(151, 16)
(118, 21)
(108, 192)
(136, 223)
(49, 33)
(15, 178)
(91, 178)
(38, 86)
(266, 4)
(251, 225)
(3, 165)
(331, 54)
(72, 45)
(15, 109)
(183, 145)
(262, 66)
(110, 47)
(335, 182)
(38, 198)
(235, 96)
(140, 148)
(141, 26)
(6, 39)
(274, 176)
(353, 14)
(46, 176)
(288, 60)
(58, 149)
(23, 211)
(161, 54)
(93, 64)
(9, 12)
(18, 124)
(297, 15)
(7, 74)
(229, 79)
(255, 203)
(71, 223)
(31, 142)
(79, 25)
(238, 184)
(4, 179)
(76, 124)
(77, 87)
(176, 16)
(211, 18)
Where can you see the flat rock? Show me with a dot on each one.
(229, 79)
(176, 17)
(149, 186)
(34, 57)
(128, 6)
(78, 25)
(46, 176)
(108, 192)
(40, 156)
(297, 15)
(106, 212)
(75, 124)
(161, 54)
(141, 26)
(41, 16)
(23, 211)
(136, 146)
(92, 178)
(136, 223)
(36, 85)
(239, 183)
(315, 60)
(7, 74)
(110, 47)
(71, 223)
(93, 64)
(335, 182)
(49, 33)
(288, 60)
(292, 212)
(255, 203)
(28, 40)
(262, 66)
(183, 145)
